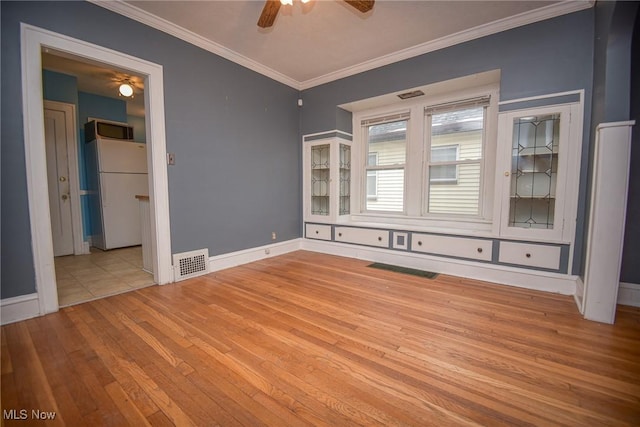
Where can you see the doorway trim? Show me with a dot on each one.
(33, 40)
(74, 174)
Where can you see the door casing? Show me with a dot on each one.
(33, 41)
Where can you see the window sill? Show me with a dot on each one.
(466, 226)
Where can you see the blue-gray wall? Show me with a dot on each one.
(235, 134)
(552, 56)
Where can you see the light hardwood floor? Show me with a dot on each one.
(312, 339)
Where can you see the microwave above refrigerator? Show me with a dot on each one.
(97, 129)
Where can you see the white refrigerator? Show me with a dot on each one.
(117, 172)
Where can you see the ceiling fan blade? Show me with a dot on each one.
(269, 13)
(362, 5)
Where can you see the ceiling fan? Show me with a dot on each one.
(271, 8)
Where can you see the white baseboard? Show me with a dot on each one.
(19, 308)
(629, 294)
(232, 259)
(529, 279)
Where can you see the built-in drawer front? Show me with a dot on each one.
(318, 231)
(362, 236)
(478, 249)
(530, 255)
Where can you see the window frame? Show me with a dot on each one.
(455, 105)
(392, 117)
(415, 213)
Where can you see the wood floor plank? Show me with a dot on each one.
(310, 339)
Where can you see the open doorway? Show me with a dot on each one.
(34, 40)
(78, 197)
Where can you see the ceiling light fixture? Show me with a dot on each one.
(290, 2)
(126, 90)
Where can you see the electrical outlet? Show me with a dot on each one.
(273, 235)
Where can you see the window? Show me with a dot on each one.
(454, 141)
(386, 152)
(428, 162)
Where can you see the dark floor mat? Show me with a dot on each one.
(405, 270)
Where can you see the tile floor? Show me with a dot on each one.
(85, 277)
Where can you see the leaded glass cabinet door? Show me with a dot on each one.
(320, 179)
(344, 171)
(534, 172)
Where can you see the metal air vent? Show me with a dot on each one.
(411, 94)
(191, 264)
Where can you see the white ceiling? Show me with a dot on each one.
(314, 43)
(324, 40)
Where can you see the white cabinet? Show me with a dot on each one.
(537, 172)
(459, 247)
(318, 231)
(530, 255)
(362, 236)
(327, 178)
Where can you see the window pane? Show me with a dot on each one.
(456, 136)
(461, 196)
(372, 184)
(389, 142)
(444, 174)
(386, 149)
(389, 191)
(463, 128)
(445, 153)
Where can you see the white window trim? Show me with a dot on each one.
(414, 196)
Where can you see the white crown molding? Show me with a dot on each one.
(525, 18)
(546, 12)
(144, 17)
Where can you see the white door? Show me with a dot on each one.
(58, 179)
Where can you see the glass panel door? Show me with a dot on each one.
(320, 167)
(534, 171)
(345, 179)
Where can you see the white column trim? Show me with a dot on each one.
(607, 215)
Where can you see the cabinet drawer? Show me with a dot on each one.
(530, 255)
(318, 231)
(362, 236)
(477, 249)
